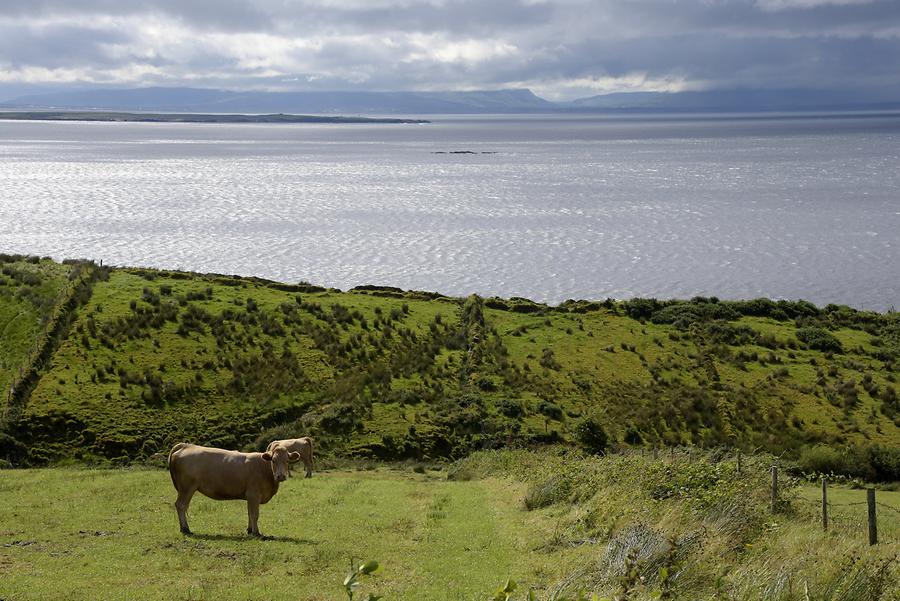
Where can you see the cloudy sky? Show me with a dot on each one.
(561, 49)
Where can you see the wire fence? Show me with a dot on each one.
(880, 519)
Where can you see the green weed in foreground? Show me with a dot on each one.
(352, 581)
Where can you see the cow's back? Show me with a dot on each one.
(295, 445)
(303, 445)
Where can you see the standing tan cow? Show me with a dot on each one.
(226, 475)
(304, 446)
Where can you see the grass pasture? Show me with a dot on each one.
(113, 534)
(75, 533)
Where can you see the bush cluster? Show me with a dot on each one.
(819, 339)
(873, 463)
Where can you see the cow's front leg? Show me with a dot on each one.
(253, 516)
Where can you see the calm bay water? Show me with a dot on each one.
(548, 208)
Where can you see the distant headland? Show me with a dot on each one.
(191, 117)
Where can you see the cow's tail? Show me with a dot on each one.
(175, 449)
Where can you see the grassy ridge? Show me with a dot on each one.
(29, 288)
(154, 357)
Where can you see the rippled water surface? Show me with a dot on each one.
(546, 208)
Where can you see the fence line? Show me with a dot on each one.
(891, 507)
(824, 504)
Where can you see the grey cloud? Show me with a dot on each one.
(327, 44)
(57, 46)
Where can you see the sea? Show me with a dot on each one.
(784, 206)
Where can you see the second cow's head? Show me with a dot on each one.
(278, 459)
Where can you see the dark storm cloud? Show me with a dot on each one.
(564, 47)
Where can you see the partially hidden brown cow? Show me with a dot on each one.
(225, 475)
(304, 446)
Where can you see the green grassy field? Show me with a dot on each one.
(148, 358)
(113, 534)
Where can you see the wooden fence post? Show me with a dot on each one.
(873, 523)
(774, 487)
(739, 462)
(824, 504)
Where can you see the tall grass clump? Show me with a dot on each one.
(687, 525)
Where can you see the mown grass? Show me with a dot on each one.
(113, 534)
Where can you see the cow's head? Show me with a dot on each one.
(279, 458)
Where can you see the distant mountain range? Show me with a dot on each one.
(411, 103)
(224, 101)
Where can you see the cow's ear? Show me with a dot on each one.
(294, 457)
(267, 456)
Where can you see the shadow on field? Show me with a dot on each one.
(247, 537)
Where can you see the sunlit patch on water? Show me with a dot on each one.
(776, 210)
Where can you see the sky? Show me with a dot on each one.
(560, 49)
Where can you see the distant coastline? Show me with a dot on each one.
(190, 117)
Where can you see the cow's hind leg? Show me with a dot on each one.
(181, 506)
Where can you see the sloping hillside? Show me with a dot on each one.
(29, 289)
(154, 357)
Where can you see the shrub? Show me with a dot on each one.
(873, 463)
(551, 410)
(821, 459)
(641, 308)
(11, 449)
(885, 462)
(684, 314)
(819, 339)
(548, 360)
(591, 435)
(486, 384)
(633, 436)
(512, 408)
